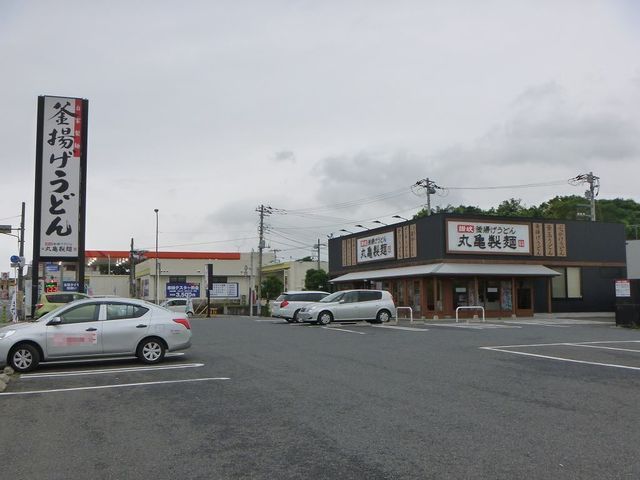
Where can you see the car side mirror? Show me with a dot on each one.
(55, 321)
(341, 301)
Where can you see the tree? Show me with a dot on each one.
(509, 208)
(271, 288)
(316, 280)
(463, 209)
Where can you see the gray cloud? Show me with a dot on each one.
(284, 156)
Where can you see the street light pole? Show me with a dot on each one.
(156, 275)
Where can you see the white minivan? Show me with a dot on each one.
(349, 305)
(288, 304)
(178, 305)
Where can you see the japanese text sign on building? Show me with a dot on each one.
(70, 286)
(183, 290)
(59, 170)
(468, 236)
(224, 290)
(376, 247)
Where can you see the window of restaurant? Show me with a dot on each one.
(461, 293)
(568, 284)
(489, 294)
(413, 295)
(400, 290)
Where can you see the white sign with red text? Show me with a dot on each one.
(61, 142)
(376, 247)
(468, 236)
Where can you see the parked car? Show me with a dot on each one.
(50, 301)
(288, 304)
(178, 305)
(95, 327)
(371, 305)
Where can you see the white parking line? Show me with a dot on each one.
(110, 370)
(474, 326)
(564, 343)
(604, 348)
(570, 360)
(595, 344)
(343, 330)
(57, 390)
(406, 329)
(529, 322)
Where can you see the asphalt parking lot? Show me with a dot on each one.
(260, 398)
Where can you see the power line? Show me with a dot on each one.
(523, 185)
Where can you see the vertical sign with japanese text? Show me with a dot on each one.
(59, 174)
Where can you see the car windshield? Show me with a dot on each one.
(334, 297)
(49, 315)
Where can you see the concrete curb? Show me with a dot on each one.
(5, 377)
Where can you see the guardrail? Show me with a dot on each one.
(405, 308)
(474, 307)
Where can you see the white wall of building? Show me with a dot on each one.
(633, 259)
(294, 273)
(117, 285)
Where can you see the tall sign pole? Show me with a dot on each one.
(60, 186)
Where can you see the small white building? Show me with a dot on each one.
(292, 273)
(177, 273)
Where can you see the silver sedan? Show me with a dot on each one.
(95, 328)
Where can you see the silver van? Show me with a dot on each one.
(288, 304)
(371, 305)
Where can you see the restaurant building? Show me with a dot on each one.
(510, 266)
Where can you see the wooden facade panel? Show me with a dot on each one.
(538, 240)
(399, 244)
(549, 240)
(413, 239)
(354, 251)
(561, 240)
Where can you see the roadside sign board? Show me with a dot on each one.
(52, 268)
(623, 288)
(224, 290)
(70, 286)
(182, 290)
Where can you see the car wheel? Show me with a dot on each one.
(24, 358)
(383, 316)
(295, 316)
(151, 350)
(325, 318)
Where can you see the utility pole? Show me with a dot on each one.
(132, 272)
(430, 188)
(251, 287)
(592, 193)
(317, 248)
(21, 296)
(264, 211)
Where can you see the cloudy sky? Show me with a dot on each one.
(326, 111)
